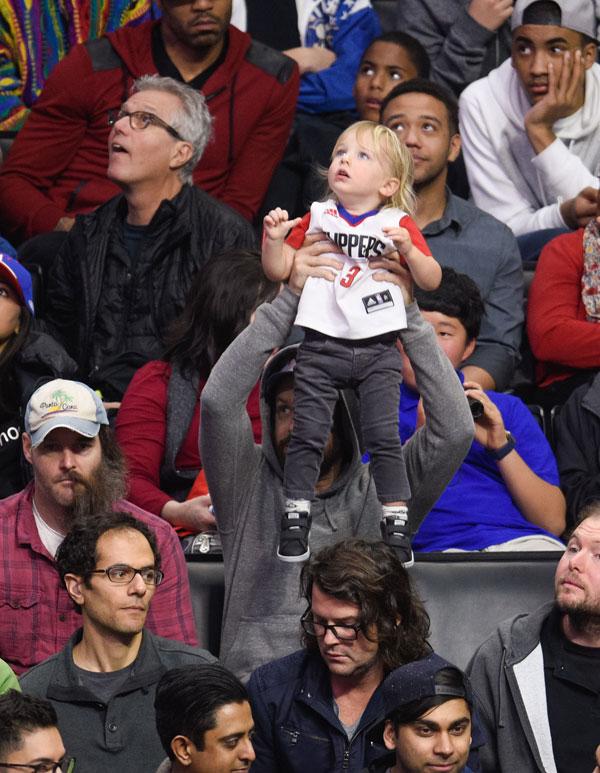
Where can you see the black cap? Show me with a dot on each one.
(415, 681)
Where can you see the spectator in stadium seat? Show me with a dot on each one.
(505, 495)
(35, 36)
(204, 721)
(531, 137)
(26, 357)
(464, 40)
(325, 39)
(78, 469)
(577, 429)
(102, 683)
(390, 59)
(29, 735)
(57, 164)
(318, 707)
(123, 272)
(562, 314)
(425, 116)
(158, 421)
(536, 679)
(245, 480)
(428, 725)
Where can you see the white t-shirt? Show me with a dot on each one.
(51, 539)
(354, 305)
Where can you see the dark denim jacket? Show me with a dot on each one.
(297, 728)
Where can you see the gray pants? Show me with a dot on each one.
(372, 367)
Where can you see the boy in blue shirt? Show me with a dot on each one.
(505, 495)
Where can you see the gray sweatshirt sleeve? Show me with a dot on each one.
(437, 449)
(229, 455)
(455, 42)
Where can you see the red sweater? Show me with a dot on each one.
(57, 164)
(561, 338)
(141, 431)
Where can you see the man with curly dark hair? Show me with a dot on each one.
(321, 707)
(102, 684)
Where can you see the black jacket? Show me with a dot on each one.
(578, 447)
(40, 359)
(183, 235)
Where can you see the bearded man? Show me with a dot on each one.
(537, 678)
(78, 470)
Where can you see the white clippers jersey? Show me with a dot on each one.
(354, 305)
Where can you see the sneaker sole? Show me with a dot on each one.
(294, 559)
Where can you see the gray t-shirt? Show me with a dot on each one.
(348, 729)
(103, 684)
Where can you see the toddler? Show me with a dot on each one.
(351, 324)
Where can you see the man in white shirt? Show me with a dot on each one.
(530, 131)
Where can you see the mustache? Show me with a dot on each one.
(74, 477)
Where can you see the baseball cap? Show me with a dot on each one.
(17, 276)
(280, 365)
(62, 403)
(576, 15)
(415, 681)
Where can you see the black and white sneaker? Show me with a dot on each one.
(293, 539)
(394, 532)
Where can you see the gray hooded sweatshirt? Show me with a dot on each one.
(262, 605)
(507, 675)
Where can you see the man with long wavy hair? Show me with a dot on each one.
(321, 707)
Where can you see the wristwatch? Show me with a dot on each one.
(504, 450)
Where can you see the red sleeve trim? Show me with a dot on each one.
(416, 236)
(296, 236)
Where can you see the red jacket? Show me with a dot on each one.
(141, 430)
(561, 338)
(57, 165)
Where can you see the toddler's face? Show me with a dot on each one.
(357, 172)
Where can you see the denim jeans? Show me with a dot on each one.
(324, 366)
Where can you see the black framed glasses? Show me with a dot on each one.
(341, 631)
(122, 574)
(140, 120)
(66, 765)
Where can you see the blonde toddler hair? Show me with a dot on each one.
(391, 152)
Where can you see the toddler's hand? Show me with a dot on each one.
(277, 225)
(401, 239)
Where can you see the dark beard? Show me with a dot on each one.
(583, 619)
(100, 491)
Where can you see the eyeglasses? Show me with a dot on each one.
(341, 631)
(141, 120)
(121, 574)
(66, 765)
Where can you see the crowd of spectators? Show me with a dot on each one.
(147, 370)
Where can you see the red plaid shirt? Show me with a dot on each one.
(37, 617)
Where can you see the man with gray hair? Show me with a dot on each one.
(124, 270)
(58, 161)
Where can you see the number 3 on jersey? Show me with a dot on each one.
(347, 280)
